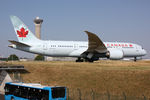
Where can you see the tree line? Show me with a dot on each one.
(14, 57)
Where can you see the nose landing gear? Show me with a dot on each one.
(135, 59)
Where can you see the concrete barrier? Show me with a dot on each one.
(4, 77)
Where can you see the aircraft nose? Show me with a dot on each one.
(144, 52)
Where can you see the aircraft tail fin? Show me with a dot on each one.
(24, 35)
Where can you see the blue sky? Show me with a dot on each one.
(111, 20)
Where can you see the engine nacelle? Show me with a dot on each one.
(115, 54)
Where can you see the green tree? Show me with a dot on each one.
(39, 58)
(13, 57)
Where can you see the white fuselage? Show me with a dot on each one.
(76, 48)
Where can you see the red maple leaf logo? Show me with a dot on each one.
(22, 33)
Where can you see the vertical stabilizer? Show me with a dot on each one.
(23, 33)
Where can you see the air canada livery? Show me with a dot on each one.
(84, 51)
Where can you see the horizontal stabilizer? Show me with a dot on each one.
(18, 43)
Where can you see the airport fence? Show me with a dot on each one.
(77, 94)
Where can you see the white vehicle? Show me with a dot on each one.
(84, 51)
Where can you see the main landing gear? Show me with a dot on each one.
(82, 60)
(79, 59)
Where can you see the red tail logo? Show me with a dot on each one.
(22, 33)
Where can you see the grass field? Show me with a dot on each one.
(130, 77)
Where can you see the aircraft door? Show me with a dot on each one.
(137, 49)
(76, 46)
(44, 46)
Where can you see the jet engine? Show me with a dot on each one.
(115, 54)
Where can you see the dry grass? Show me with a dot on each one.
(133, 78)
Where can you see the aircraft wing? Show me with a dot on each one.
(95, 45)
(18, 43)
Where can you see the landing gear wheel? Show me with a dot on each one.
(135, 59)
(79, 60)
(90, 60)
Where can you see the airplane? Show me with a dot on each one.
(84, 51)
